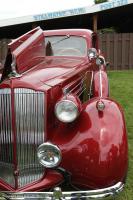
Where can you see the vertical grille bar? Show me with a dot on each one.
(29, 109)
(29, 116)
(6, 140)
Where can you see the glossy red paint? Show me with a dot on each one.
(100, 86)
(30, 52)
(16, 43)
(94, 146)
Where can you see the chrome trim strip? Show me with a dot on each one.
(101, 86)
(78, 83)
(91, 83)
(83, 89)
(6, 138)
(57, 194)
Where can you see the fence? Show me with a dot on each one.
(117, 48)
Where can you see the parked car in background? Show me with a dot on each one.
(61, 135)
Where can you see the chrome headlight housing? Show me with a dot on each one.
(100, 60)
(66, 111)
(49, 155)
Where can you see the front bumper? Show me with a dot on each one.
(57, 194)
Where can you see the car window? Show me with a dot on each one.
(65, 46)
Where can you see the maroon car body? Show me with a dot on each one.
(93, 146)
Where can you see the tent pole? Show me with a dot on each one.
(95, 18)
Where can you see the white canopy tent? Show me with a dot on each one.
(22, 18)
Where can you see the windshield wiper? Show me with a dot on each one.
(64, 38)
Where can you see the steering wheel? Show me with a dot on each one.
(70, 51)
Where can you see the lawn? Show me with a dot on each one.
(121, 89)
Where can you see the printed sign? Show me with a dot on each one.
(59, 14)
(113, 4)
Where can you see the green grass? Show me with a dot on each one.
(121, 89)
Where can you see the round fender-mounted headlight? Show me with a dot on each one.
(100, 60)
(49, 155)
(66, 111)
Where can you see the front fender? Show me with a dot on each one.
(100, 84)
(94, 148)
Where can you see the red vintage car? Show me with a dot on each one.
(61, 135)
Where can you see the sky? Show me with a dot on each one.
(16, 8)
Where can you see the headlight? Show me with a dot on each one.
(66, 111)
(49, 155)
(100, 60)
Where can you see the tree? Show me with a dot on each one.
(100, 1)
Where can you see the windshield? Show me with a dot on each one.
(65, 46)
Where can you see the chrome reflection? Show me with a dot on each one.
(6, 140)
(29, 109)
(105, 193)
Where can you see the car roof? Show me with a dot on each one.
(77, 32)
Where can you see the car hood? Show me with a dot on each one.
(53, 70)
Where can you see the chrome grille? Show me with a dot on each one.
(29, 134)
(29, 109)
(6, 140)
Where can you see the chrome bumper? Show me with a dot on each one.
(57, 194)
